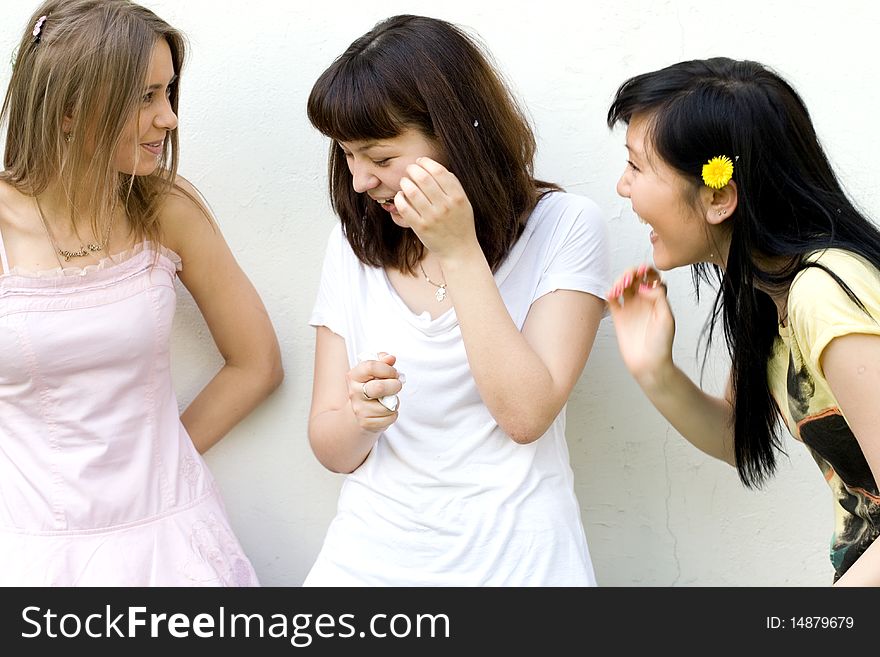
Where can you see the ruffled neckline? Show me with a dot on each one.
(107, 262)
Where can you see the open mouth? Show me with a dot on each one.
(386, 204)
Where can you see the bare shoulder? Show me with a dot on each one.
(9, 195)
(13, 204)
(185, 217)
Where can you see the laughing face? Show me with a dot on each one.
(662, 198)
(377, 166)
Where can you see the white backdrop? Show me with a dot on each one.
(657, 512)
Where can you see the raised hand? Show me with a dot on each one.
(643, 321)
(433, 203)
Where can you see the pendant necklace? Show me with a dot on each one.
(440, 294)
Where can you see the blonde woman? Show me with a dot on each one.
(101, 478)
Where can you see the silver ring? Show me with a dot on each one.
(364, 392)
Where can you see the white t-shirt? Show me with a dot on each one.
(446, 498)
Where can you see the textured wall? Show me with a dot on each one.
(657, 512)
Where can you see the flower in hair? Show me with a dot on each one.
(717, 172)
(38, 26)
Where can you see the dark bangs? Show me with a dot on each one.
(689, 119)
(367, 94)
(351, 106)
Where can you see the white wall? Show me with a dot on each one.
(656, 511)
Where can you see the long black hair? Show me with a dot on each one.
(790, 204)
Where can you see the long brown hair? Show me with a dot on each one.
(427, 74)
(87, 65)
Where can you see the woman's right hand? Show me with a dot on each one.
(373, 379)
(643, 321)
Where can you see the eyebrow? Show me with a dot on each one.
(632, 151)
(159, 85)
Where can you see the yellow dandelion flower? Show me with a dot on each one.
(717, 172)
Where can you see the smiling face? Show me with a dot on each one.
(377, 166)
(663, 199)
(143, 139)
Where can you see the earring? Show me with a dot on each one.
(68, 137)
(721, 213)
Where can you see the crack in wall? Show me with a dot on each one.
(668, 501)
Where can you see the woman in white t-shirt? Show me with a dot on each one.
(454, 265)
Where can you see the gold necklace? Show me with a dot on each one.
(440, 294)
(84, 249)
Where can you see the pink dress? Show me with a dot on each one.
(100, 485)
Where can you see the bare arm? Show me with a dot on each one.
(645, 330)
(851, 364)
(524, 377)
(343, 424)
(703, 419)
(235, 315)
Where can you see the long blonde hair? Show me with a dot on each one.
(88, 65)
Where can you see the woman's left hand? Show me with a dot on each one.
(433, 203)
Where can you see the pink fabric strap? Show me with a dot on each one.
(4, 263)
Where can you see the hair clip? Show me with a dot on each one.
(38, 27)
(717, 172)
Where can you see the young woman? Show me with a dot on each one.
(726, 168)
(454, 265)
(101, 480)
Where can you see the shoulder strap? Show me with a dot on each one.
(4, 262)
